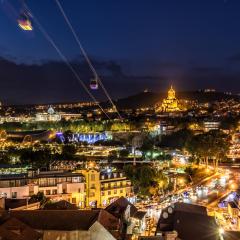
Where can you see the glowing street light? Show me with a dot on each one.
(221, 231)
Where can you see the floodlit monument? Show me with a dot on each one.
(169, 104)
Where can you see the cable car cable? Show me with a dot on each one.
(44, 32)
(86, 56)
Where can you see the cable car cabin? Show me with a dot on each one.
(94, 84)
(24, 23)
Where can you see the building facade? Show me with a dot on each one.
(55, 185)
(169, 104)
(102, 188)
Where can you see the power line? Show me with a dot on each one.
(86, 56)
(44, 32)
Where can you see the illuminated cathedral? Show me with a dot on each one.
(169, 104)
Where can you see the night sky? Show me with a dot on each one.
(135, 44)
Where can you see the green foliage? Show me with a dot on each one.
(147, 146)
(39, 197)
(68, 151)
(211, 145)
(123, 153)
(73, 126)
(229, 123)
(37, 159)
(146, 180)
(176, 139)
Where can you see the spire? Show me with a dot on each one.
(171, 93)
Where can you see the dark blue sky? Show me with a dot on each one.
(190, 43)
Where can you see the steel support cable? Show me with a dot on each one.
(86, 56)
(44, 32)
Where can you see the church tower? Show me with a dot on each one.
(170, 104)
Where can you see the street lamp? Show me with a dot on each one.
(233, 186)
(221, 231)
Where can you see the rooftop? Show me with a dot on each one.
(13, 229)
(118, 207)
(61, 205)
(64, 220)
(190, 221)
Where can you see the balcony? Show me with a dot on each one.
(113, 187)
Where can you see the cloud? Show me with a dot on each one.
(52, 81)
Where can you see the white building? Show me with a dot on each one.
(211, 125)
(55, 185)
(50, 116)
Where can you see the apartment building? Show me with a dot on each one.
(56, 185)
(104, 187)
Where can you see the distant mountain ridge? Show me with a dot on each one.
(149, 99)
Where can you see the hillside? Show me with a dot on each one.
(149, 99)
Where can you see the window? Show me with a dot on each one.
(79, 190)
(102, 193)
(14, 194)
(92, 194)
(74, 200)
(54, 191)
(12, 183)
(48, 192)
(92, 177)
(109, 192)
(93, 185)
(76, 179)
(51, 182)
(115, 191)
(64, 191)
(121, 191)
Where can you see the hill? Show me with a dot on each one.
(149, 99)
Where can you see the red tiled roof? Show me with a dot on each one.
(13, 229)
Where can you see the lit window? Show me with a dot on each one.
(48, 192)
(14, 194)
(92, 194)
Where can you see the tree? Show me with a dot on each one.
(123, 153)
(211, 145)
(69, 151)
(112, 155)
(176, 139)
(147, 181)
(147, 146)
(39, 197)
(37, 159)
(229, 123)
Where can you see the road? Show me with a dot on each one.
(207, 192)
